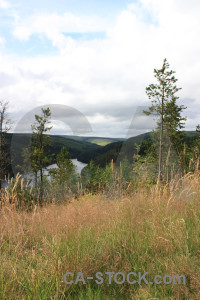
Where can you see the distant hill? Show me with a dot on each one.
(99, 149)
(101, 141)
(119, 150)
(82, 150)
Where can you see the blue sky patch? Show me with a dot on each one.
(36, 45)
(85, 35)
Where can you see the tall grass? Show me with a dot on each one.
(154, 229)
(18, 194)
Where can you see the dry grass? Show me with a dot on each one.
(155, 230)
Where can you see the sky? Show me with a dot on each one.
(97, 57)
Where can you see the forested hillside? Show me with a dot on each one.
(82, 148)
(85, 150)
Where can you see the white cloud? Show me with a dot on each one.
(2, 41)
(111, 72)
(53, 26)
(4, 4)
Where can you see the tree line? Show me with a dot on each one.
(154, 158)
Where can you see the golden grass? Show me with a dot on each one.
(155, 230)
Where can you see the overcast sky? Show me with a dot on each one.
(97, 57)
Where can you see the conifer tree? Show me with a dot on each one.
(39, 146)
(163, 98)
(5, 126)
(65, 168)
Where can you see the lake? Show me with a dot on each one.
(78, 164)
(78, 167)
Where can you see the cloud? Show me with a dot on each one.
(6, 80)
(106, 78)
(4, 4)
(55, 27)
(2, 41)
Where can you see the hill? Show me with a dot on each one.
(120, 150)
(82, 150)
(127, 148)
(101, 141)
(99, 149)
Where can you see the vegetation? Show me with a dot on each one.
(65, 167)
(81, 149)
(5, 126)
(71, 223)
(163, 97)
(151, 230)
(39, 157)
(64, 177)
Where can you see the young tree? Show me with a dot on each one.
(163, 98)
(5, 126)
(65, 168)
(39, 146)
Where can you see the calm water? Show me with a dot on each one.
(78, 164)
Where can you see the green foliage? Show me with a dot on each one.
(193, 151)
(65, 170)
(95, 178)
(198, 135)
(110, 180)
(145, 163)
(39, 143)
(4, 149)
(147, 148)
(163, 92)
(174, 123)
(163, 102)
(37, 152)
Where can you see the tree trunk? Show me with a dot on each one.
(161, 139)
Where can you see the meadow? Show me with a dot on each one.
(154, 229)
(101, 141)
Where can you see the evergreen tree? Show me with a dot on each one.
(5, 126)
(65, 168)
(174, 123)
(163, 98)
(39, 155)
